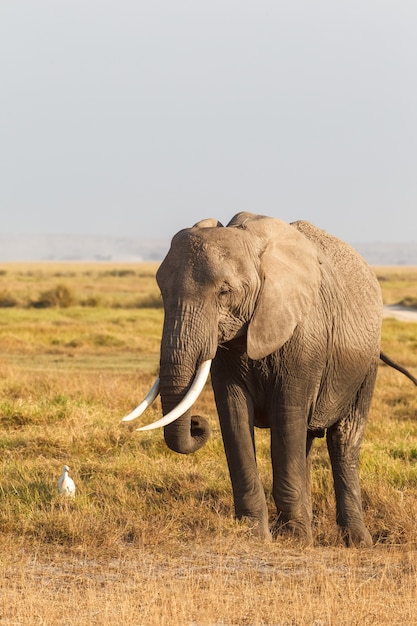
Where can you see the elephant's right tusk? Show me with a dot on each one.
(152, 394)
(187, 401)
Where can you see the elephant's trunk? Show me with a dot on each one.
(185, 346)
(187, 434)
(185, 404)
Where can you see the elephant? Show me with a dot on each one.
(287, 318)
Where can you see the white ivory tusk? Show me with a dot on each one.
(187, 401)
(152, 394)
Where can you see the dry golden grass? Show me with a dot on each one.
(221, 581)
(150, 536)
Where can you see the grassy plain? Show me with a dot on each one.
(150, 537)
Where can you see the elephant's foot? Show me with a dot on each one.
(299, 529)
(257, 528)
(356, 536)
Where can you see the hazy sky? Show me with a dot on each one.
(139, 118)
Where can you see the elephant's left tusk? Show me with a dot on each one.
(150, 397)
(187, 401)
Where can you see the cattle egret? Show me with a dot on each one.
(66, 485)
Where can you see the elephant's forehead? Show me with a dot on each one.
(207, 254)
(217, 249)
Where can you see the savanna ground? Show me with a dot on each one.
(150, 537)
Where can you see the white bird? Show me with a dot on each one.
(66, 485)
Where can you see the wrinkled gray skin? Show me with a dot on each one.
(291, 317)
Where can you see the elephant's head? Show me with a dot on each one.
(255, 279)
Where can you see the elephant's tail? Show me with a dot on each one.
(397, 366)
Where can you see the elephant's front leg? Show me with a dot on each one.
(236, 420)
(290, 467)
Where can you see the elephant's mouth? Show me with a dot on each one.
(231, 332)
(183, 406)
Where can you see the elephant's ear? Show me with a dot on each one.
(291, 275)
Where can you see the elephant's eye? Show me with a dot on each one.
(224, 291)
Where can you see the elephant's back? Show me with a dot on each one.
(338, 250)
(345, 261)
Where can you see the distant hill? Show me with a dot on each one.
(129, 249)
(380, 253)
(80, 248)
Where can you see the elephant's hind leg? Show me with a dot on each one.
(344, 441)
